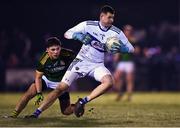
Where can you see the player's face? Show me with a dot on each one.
(54, 51)
(107, 19)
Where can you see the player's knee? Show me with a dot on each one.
(58, 91)
(29, 95)
(68, 110)
(31, 92)
(65, 112)
(62, 87)
(108, 81)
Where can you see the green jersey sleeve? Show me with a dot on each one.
(40, 67)
(41, 62)
(68, 54)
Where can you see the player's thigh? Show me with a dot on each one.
(103, 75)
(130, 71)
(129, 67)
(69, 77)
(130, 76)
(120, 66)
(31, 92)
(47, 84)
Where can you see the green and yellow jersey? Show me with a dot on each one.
(54, 70)
(126, 57)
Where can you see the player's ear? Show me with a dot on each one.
(101, 15)
(47, 49)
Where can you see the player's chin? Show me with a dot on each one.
(55, 56)
(109, 24)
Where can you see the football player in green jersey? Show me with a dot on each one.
(125, 70)
(49, 72)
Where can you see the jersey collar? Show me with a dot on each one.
(105, 29)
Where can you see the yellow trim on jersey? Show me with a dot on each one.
(44, 59)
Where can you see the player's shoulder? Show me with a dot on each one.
(91, 23)
(66, 52)
(115, 29)
(44, 58)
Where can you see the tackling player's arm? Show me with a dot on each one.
(78, 33)
(38, 84)
(38, 80)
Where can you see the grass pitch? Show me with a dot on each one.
(146, 109)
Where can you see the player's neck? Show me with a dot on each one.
(103, 26)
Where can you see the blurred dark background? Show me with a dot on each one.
(24, 26)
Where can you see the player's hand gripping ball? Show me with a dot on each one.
(113, 45)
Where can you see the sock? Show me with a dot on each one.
(15, 113)
(37, 112)
(84, 100)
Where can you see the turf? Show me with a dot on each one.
(146, 109)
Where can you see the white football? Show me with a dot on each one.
(110, 42)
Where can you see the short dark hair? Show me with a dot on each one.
(52, 41)
(106, 9)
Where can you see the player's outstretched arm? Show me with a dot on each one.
(78, 33)
(126, 46)
(80, 28)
